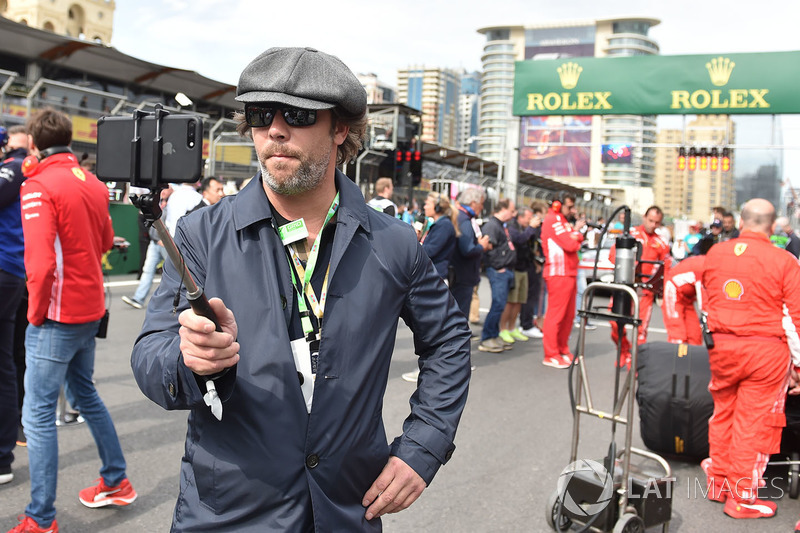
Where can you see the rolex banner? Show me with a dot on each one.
(763, 83)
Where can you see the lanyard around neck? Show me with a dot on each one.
(304, 274)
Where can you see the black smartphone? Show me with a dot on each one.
(182, 149)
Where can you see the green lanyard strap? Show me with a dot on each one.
(295, 265)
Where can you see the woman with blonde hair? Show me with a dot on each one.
(440, 240)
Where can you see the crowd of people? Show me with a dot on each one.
(285, 390)
(751, 365)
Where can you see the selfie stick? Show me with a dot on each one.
(148, 204)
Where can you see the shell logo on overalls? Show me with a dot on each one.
(733, 289)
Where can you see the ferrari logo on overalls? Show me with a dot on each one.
(739, 248)
(733, 289)
(79, 173)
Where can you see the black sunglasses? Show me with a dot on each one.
(261, 115)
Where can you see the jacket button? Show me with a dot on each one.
(312, 460)
(283, 302)
(171, 389)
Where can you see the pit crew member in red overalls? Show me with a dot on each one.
(681, 286)
(560, 243)
(753, 304)
(654, 248)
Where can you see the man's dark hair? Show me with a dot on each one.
(49, 128)
(346, 151)
(564, 196)
(727, 214)
(505, 203)
(655, 208)
(206, 183)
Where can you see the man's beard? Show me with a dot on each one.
(307, 177)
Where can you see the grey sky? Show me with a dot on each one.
(217, 39)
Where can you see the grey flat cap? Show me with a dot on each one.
(301, 77)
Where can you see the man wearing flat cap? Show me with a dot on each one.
(298, 269)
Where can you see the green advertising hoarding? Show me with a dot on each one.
(763, 83)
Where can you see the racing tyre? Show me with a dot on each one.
(551, 514)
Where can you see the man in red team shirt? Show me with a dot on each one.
(753, 304)
(680, 292)
(654, 248)
(67, 229)
(560, 242)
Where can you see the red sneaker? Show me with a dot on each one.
(555, 361)
(717, 491)
(755, 509)
(101, 494)
(797, 527)
(29, 525)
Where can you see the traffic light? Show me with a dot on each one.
(415, 167)
(692, 159)
(703, 159)
(714, 159)
(681, 158)
(397, 176)
(726, 159)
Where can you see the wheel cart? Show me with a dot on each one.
(615, 497)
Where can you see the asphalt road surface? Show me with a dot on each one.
(512, 444)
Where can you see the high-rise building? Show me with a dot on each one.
(469, 108)
(567, 147)
(702, 184)
(378, 92)
(82, 19)
(669, 187)
(434, 91)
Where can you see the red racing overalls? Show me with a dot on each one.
(753, 304)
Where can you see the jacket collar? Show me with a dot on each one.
(66, 159)
(251, 205)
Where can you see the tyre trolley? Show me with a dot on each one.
(612, 496)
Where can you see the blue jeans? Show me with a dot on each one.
(500, 283)
(56, 354)
(155, 254)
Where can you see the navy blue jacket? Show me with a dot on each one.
(467, 256)
(440, 243)
(269, 465)
(12, 245)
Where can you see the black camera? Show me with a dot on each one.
(150, 149)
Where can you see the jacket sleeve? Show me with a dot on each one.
(156, 360)
(520, 236)
(39, 230)
(466, 245)
(794, 246)
(10, 179)
(562, 234)
(442, 342)
(108, 234)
